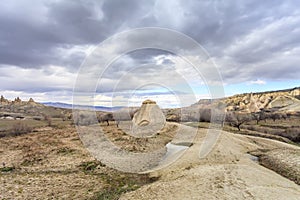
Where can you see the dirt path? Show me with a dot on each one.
(226, 173)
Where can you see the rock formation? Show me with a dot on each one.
(254, 102)
(17, 101)
(31, 101)
(148, 120)
(3, 101)
(19, 106)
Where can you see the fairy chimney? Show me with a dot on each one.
(148, 120)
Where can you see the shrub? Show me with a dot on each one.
(205, 115)
(292, 134)
(84, 117)
(37, 118)
(275, 116)
(90, 165)
(48, 119)
(105, 118)
(19, 129)
(7, 169)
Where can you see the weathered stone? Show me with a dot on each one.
(148, 120)
(31, 101)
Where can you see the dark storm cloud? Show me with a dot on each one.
(32, 41)
(248, 40)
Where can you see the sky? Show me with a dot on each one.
(46, 48)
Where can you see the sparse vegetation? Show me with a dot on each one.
(65, 151)
(293, 134)
(7, 169)
(236, 120)
(90, 165)
(48, 119)
(20, 128)
(283, 162)
(119, 183)
(51, 151)
(106, 117)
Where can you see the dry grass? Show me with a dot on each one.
(284, 162)
(52, 164)
(10, 127)
(133, 144)
(20, 128)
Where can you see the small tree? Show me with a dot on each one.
(275, 116)
(48, 119)
(106, 118)
(256, 117)
(205, 115)
(237, 119)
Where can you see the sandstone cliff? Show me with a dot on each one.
(253, 102)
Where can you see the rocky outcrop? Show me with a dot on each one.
(148, 120)
(254, 102)
(31, 101)
(16, 101)
(3, 100)
(19, 106)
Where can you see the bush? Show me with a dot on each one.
(7, 169)
(205, 115)
(276, 116)
(90, 165)
(292, 134)
(84, 117)
(19, 129)
(48, 119)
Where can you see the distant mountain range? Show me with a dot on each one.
(70, 106)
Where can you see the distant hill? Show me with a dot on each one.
(70, 106)
(253, 102)
(285, 100)
(29, 108)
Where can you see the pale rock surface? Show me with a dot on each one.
(148, 120)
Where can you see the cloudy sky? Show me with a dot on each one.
(254, 45)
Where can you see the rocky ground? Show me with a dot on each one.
(228, 172)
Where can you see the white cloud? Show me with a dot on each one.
(57, 96)
(48, 78)
(171, 100)
(257, 82)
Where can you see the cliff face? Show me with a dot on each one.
(253, 102)
(284, 100)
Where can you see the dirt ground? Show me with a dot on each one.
(45, 165)
(226, 173)
(53, 164)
